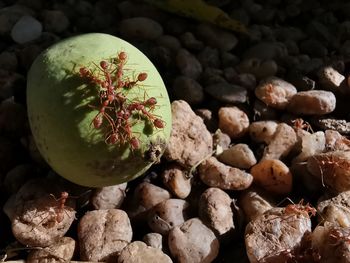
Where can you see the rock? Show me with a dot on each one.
(170, 42)
(215, 211)
(221, 141)
(209, 57)
(226, 92)
(262, 131)
(266, 51)
(239, 155)
(330, 79)
(63, 249)
(209, 120)
(233, 121)
(282, 142)
(168, 214)
(314, 48)
(138, 251)
(254, 202)
(191, 42)
(259, 68)
(342, 126)
(216, 37)
(301, 81)
(332, 169)
(274, 232)
(37, 219)
(107, 229)
(336, 141)
(275, 92)
(26, 29)
(263, 112)
(108, 197)
(246, 80)
(176, 179)
(311, 144)
(153, 240)
(140, 28)
(193, 242)
(190, 141)
(146, 196)
(55, 21)
(8, 61)
(215, 174)
(13, 119)
(10, 15)
(188, 64)
(188, 89)
(273, 175)
(335, 209)
(17, 176)
(312, 102)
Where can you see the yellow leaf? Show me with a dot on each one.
(201, 11)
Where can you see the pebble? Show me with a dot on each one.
(26, 29)
(233, 121)
(274, 176)
(209, 57)
(170, 42)
(311, 144)
(209, 120)
(162, 56)
(330, 79)
(216, 174)
(212, 76)
(13, 119)
(193, 242)
(176, 179)
(17, 176)
(301, 81)
(263, 112)
(191, 42)
(216, 37)
(332, 169)
(312, 102)
(254, 202)
(62, 250)
(190, 141)
(138, 251)
(282, 142)
(246, 80)
(8, 61)
(140, 28)
(188, 89)
(275, 92)
(313, 48)
(342, 126)
(227, 93)
(188, 64)
(289, 33)
(55, 21)
(145, 196)
(274, 232)
(35, 213)
(168, 214)
(215, 211)
(335, 209)
(336, 141)
(10, 15)
(239, 156)
(221, 140)
(228, 59)
(103, 233)
(266, 51)
(259, 68)
(262, 131)
(108, 197)
(153, 240)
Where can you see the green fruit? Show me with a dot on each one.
(62, 106)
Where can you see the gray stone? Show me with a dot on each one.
(26, 29)
(228, 93)
(55, 21)
(188, 89)
(140, 28)
(188, 64)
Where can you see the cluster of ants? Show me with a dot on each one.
(115, 108)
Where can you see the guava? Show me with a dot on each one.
(62, 107)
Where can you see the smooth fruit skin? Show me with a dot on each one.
(61, 111)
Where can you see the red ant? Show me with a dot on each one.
(337, 236)
(300, 209)
(301, 124)
(61, 205)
